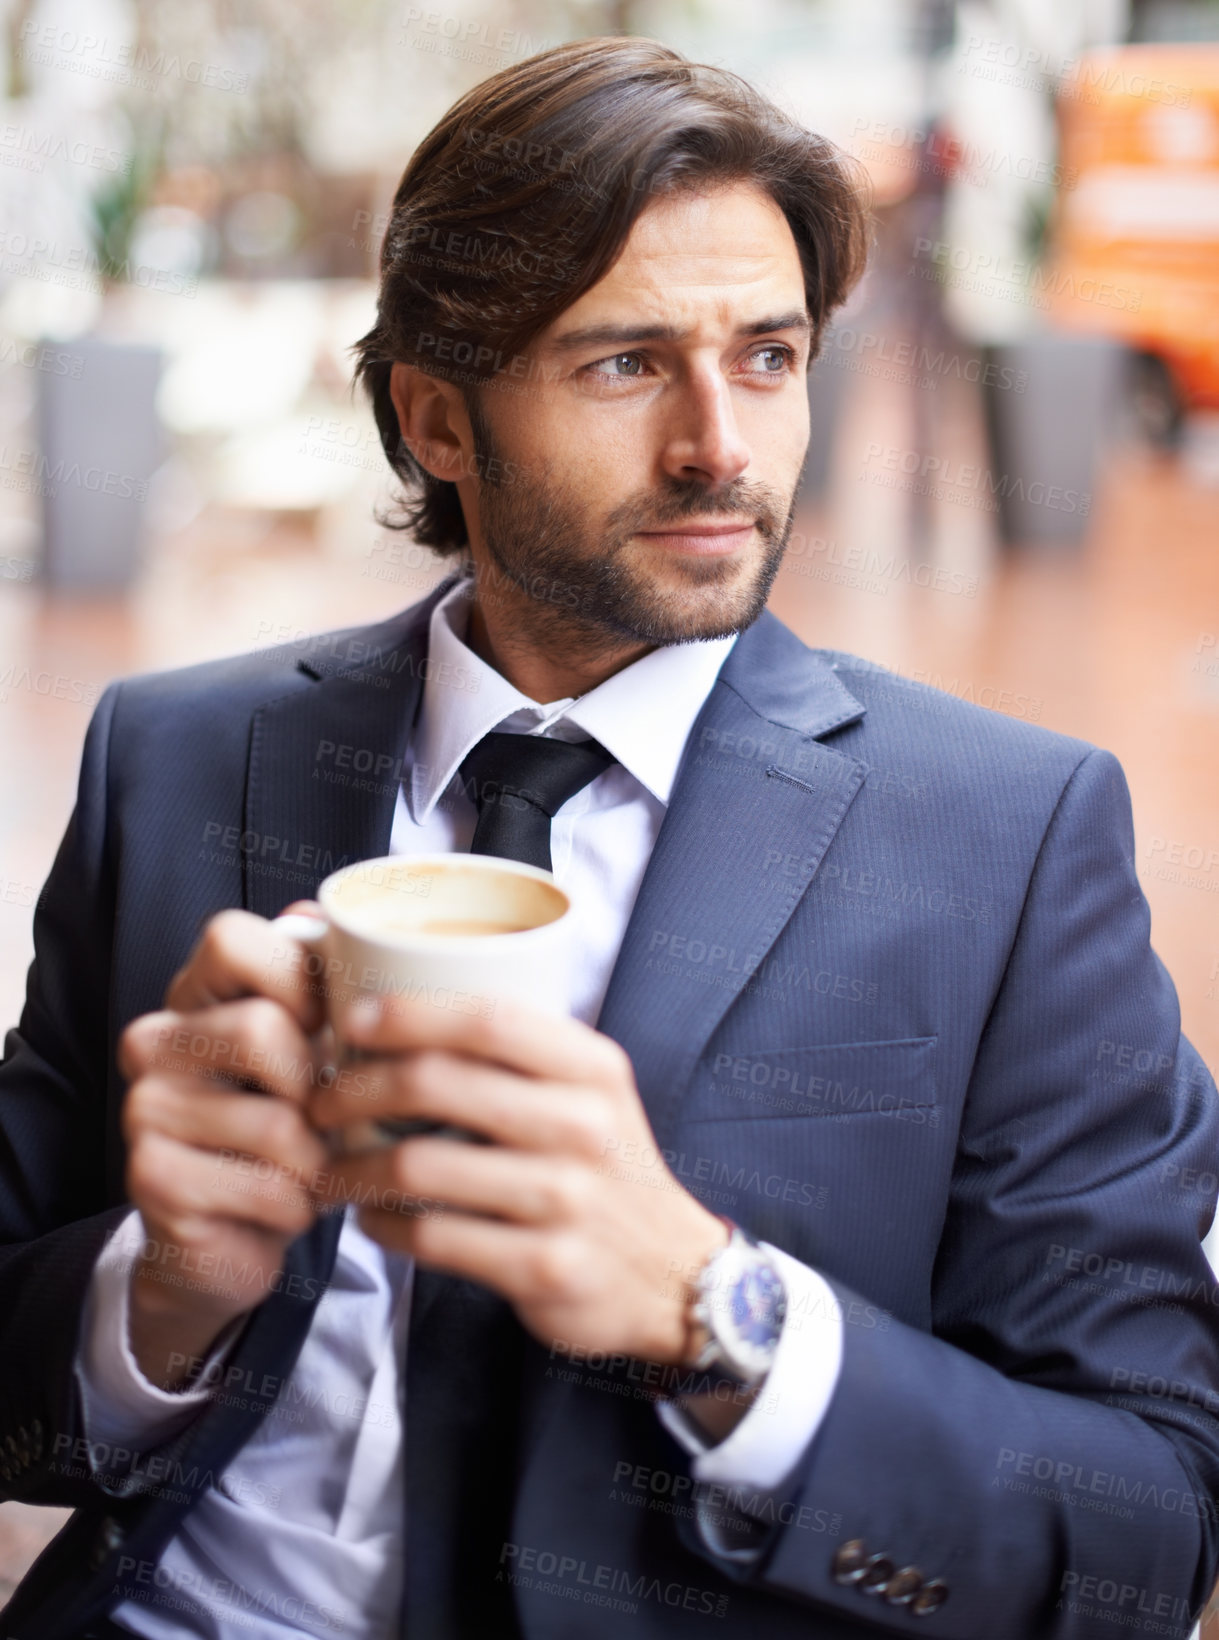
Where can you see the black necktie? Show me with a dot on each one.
(518, 783)
(468, 1374)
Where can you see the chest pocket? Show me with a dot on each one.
(838, 1153)
(838, 1081)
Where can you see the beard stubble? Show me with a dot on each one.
(579, 577)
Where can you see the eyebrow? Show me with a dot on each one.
(624, 335)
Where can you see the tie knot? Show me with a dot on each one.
(518, 783)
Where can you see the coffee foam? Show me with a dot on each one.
(442, 901)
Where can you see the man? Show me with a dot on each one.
(862, 968)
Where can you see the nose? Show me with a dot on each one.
(705, 443)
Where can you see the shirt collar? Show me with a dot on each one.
(464, 699)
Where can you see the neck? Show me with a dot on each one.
(539, 647)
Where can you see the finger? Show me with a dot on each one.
(303, 920)
(240, 955)
(176, 1185)
(507, 1108)
(518, 1037)
(511, 1260)
(215, 1120)
(525, 1189)
(255, 1040)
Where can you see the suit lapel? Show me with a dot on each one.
(363, 695)
(326, 760)
(756, 805)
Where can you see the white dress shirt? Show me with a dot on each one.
(302, 1534)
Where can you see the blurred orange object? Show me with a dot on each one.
(1134, 248)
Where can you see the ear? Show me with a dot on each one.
(433, 422)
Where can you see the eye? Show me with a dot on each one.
(776, 359)
(632, 361)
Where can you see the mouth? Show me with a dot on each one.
(708, 540)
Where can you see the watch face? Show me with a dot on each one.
(742, 1303)
(756, 1307)
(744, 1312)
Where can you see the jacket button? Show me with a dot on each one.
(876, 1575)
(902, 1587)
(850, 1561)
(929, 1598)
(109, 1538)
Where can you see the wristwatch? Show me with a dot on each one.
(741, 1303)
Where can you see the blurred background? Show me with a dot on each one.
(1012, 489)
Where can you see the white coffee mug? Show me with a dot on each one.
(462, 931)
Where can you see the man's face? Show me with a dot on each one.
(658, 442)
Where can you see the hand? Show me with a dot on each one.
(221, 1176)
(583, 1248)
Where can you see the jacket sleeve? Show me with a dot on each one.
(53, 1215)
(1046, 1459)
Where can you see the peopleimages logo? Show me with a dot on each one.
(940, 153)
(917, 357)
(51, 361)
(34, 147)
(79, 268)
(596, 1584)
(57, 685)
(1015, 280)
(99, 57)
(31, 464)
(871, 569)
(965, 482)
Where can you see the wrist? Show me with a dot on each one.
(684, 1335)
(714, 1417)
(697, 1333)
(166, 1337)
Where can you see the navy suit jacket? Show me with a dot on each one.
(889, 995)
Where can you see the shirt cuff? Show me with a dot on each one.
(792, 1399)
(120, 1409)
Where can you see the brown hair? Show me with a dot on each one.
(524, 194)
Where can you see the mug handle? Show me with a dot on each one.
(310, 931)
